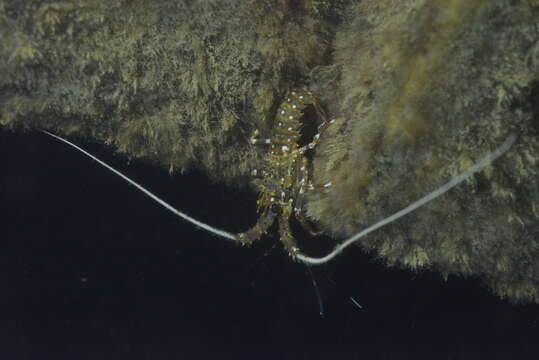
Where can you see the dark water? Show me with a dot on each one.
(92, 269)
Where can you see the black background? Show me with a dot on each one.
(90, 268)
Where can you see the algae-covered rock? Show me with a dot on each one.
(181, 82)
(426, 90)
(420, 90)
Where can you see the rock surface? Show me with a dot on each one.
(420, 91)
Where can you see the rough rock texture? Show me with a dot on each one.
(420, 89)
(177, 81)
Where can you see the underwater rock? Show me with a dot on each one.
(420, 91)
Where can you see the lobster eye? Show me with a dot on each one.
(275, 208)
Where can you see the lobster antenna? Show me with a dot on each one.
(429, 197)
(154, 197)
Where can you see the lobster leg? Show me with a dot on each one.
(304, 223)
(286, 232)
(260, 228)
(321, 128)
(298, 206)
(255, 140)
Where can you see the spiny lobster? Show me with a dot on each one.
(285, 178)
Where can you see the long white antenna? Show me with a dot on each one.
(429, 197)
(339, 248)
(154, 197)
